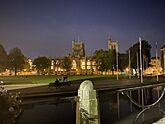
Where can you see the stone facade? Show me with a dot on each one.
(162, 58)
(78, 49)
(112, 45)
(83, 65)
(80, 66)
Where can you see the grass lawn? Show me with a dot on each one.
(38, 79)
(45, 79)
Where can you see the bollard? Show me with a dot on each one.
(87, 105)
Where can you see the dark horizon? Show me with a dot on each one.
(47, 27)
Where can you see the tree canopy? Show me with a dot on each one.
(16, 59)
(123, 61)
(3, 58)
(66, 63)
(146, 55)
(41, 64)
(106, 60)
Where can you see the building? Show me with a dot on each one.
(83, 65)
(78, 49)
(29, 61)
(80, 66)
(56, 66)
(112, 45)
(88, 65)
(154, 68)
(155, 62)
(162, 58)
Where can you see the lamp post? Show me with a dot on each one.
(141, 68)
(117, 62)
(137, 64)
(141, 75)
(129, 64)
(157, 78)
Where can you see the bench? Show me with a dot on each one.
(59, 84)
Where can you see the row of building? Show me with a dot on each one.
(162, 58)
(82, 64)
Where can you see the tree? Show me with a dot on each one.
(27, 66)
(66, 63)
(3, 58)
(123, 61)
(146, 55)
(42, 63)
(112, 59)
(16, 60)
(105, 60)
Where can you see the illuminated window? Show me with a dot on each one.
(74, 65)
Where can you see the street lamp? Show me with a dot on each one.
(157, 78)
(141, 68)
(117, 59)
(129, 64)
(137, 64)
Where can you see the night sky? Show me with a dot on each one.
(47, 27)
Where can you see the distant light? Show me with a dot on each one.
(161, 69)
(1, 82)
(127, 69)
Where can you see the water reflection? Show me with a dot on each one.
(48, 114)
(52, 112)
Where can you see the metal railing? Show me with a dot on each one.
(144, 107)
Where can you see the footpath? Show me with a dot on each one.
(100, 84)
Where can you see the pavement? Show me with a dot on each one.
(100, 84)
(161, 121)
(20, 86)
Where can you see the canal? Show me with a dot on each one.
(62, 110)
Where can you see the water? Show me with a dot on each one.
(48, 114)
(65, 112)
(109, 109)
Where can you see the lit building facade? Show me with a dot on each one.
(112, 45)
(29, 61)
(155, 62)
(162, 58)
(88, 65)
(80, 66)
(83, 65)
(56, 66)
(155, 67)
